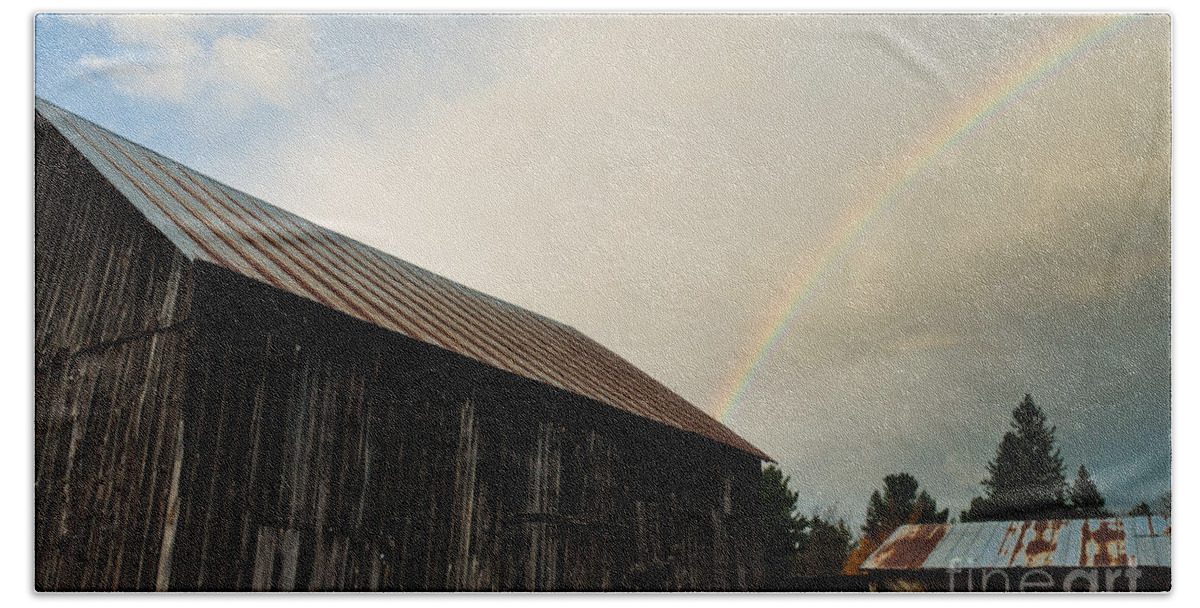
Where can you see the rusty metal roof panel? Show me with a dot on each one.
(215, 223)
(1152, 550)
(959, 540)
(1144, 541)
(982, 540)
(1066, 552)
(907, 548)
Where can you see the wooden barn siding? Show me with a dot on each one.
(326, 454)
(301, 469)
(112, 301)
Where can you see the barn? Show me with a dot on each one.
(230, 397)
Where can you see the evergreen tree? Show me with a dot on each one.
(1086, 501)
(1142, 509)
(793, 544)
(782, 528)
(899, 504)
(1025, 481)
(1162, 504)
(824, 548)
(1162, 507)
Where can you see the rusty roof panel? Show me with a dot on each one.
(1102, 543)
(958, 538)
(908, 547)
(215, 223)
(1068, 552)
(1144, 541)
(1150, 550)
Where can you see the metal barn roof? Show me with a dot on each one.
(1128, 541)
(215, 223)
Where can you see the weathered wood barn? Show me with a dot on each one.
(230, 397)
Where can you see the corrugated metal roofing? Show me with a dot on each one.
(215, 223)
(1128, 541)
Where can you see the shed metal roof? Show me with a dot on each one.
(1128, 541)
(215, 223)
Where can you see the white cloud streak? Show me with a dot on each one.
(189, 60)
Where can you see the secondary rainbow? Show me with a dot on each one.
(975, 115)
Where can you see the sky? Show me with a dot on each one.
(858, 240)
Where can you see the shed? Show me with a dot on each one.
(230, 397)
(1114, 554)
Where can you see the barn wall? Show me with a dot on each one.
(611, 502)
(320, 451)
(112, 300)
(323, 453)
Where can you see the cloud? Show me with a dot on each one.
(160, 57)
(196, 60)
(277, 64)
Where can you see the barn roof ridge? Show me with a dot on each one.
(210, 221)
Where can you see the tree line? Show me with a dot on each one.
(1025, 481)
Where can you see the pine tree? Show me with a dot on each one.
(899, 504)
(1162, 504)
(1086, 501)
(793, 544)
(1025, 480)
(783, 530)
(1141, 509)
(824, 547)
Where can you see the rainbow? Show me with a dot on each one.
(971, 120)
